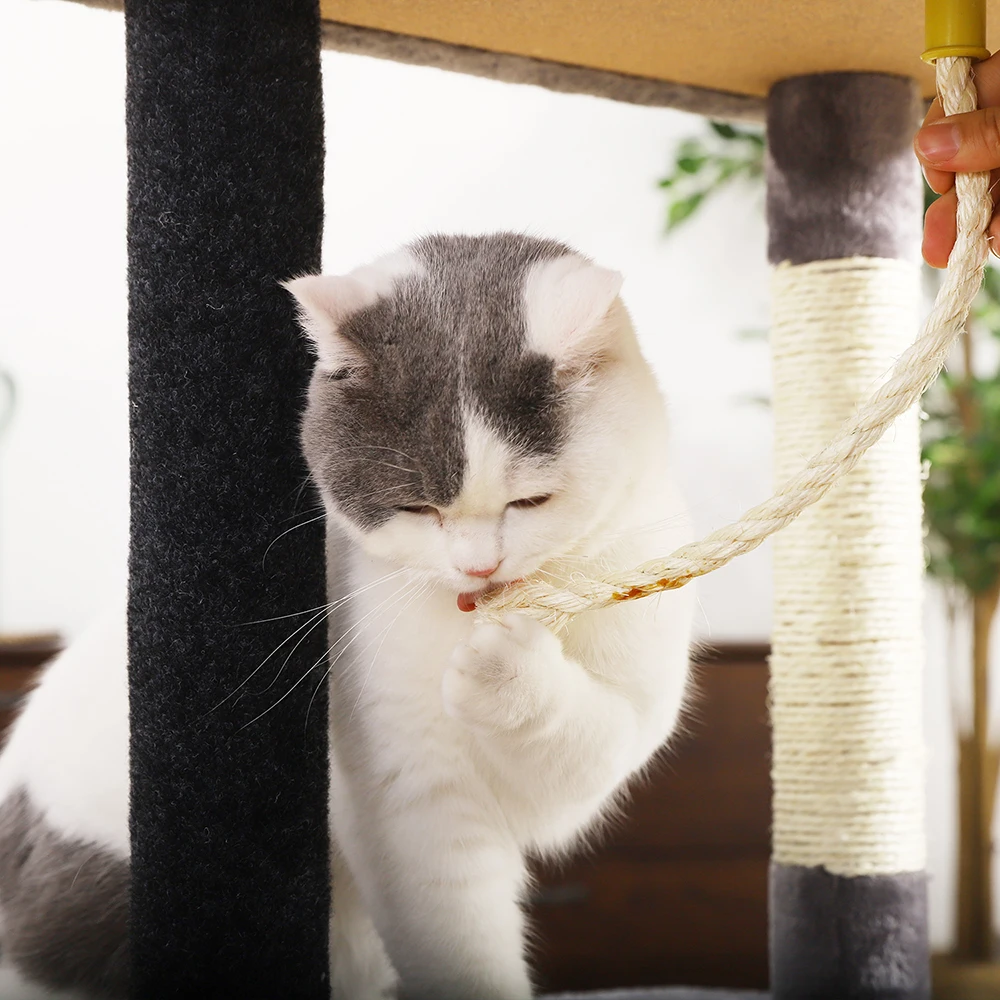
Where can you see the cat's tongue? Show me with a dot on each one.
(467, 601)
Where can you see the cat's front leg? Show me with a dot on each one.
(441, 878)
(359, 965)
(507, 677)
(564, 735)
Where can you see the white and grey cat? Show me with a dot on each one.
(480, 410)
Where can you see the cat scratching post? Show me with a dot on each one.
(229, 800)
(848, 890)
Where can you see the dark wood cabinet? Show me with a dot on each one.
(677, 892)
(20, 658)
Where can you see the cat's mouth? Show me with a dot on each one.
(467, 600)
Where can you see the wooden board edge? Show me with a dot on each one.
(559, 77)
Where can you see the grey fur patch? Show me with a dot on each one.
(63, 906)
(452, 337)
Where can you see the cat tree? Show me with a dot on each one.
(225, 154)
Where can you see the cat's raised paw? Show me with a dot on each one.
(504, 678)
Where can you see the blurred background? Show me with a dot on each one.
(412, 151)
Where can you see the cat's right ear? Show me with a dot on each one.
(325, 301)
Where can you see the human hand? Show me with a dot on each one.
(966, 142)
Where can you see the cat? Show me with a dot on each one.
(479, 411)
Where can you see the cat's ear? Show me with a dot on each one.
(325, 301)
(568, 302)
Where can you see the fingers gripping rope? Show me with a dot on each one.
(914, 371)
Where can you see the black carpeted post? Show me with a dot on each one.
(842, 182)
(230, 870)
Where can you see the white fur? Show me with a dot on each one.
(456, 748)
(566, 299)
(70, 745)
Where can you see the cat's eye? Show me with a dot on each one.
(530, 501)
(419, 509)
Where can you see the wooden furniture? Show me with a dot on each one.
(20, 658)
(677, 893)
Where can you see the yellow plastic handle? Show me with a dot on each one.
(955, 28)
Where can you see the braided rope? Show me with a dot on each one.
(914, 371)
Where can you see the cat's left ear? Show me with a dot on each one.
(568, 301)
(325, 301)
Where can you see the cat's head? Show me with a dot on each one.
(476, 403)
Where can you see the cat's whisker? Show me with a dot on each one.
(278, 618)
(300, 489)
(302, 513)
(364, 588)
(83, 864)
(423, 585)
(388, 465)
(305, 484)
(371, 611)
(325, 610)
(306, 634)
(423, 591)
(309, 625)
(334, 661)
(288, 531)
(647, 526)
(329, 605)
(329, 649)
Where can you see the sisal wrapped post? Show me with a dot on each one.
(848, 889)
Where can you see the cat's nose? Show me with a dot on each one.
(482, 572)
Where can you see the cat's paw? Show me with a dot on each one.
(505, 677)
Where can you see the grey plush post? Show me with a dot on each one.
(841, 182)
(230, 871)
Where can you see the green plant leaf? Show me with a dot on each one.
(691, 164)
(723, 130)
(715, 161)
(684, 209)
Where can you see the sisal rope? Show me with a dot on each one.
(847, 762)
(913, 372)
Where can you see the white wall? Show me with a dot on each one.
(63, 465)
(410, 151)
